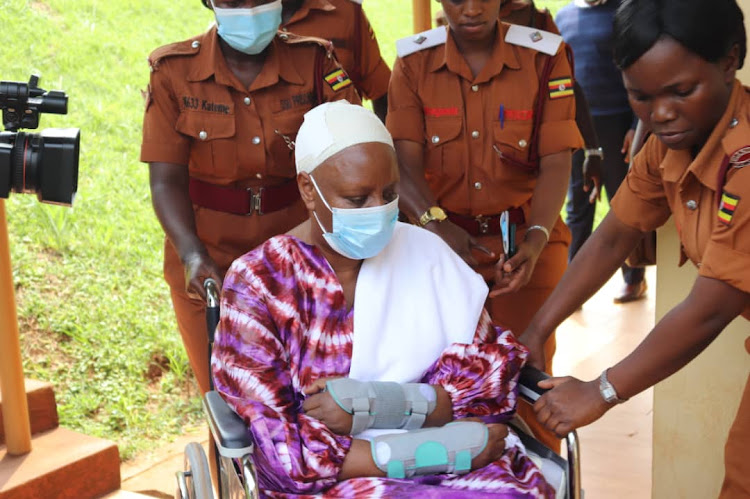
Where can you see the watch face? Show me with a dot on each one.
(437, 213)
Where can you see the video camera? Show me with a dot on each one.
(44, 163)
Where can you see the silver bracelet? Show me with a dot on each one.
(539, 227)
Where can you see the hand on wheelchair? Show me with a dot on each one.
(198, 268)
(570, 404)
(320, 405)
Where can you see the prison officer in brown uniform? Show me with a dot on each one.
(694, 168)
(344, 23)
(482, 115)
(218, 134)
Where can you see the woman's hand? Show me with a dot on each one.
(198, 268)
(495, 445)
(515, 273)
(570, 404)
(592, 178)
(627, 142)
(320, 405)
(458, 239)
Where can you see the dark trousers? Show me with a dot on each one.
(611, 130)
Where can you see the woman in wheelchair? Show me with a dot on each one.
(357, 349)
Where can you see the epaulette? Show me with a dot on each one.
(186, 47)
(421, 41)
(543, 41)
(293, 39)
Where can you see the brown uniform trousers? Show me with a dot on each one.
(713, 236)
(199, 115)
(469, 127)
(345, 24)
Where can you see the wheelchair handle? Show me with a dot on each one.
(212, 293)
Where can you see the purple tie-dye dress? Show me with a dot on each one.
(285, 323)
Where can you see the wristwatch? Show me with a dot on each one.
(432, 213)
(598, 151)
(609, 394)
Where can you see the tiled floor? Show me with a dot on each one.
(615, 451)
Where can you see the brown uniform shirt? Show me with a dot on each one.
(524, 13)
(346, 25)
(664, 182)
(198, 113)
(462, 121)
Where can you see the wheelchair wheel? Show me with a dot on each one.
(195, 481)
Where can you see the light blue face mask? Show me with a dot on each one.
(359, 233)
(249, 30)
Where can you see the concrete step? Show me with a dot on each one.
(62, 464)
(42, 408)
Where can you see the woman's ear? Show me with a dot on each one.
(730, 63)
(306, 190)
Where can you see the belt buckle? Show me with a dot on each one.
(255, 201)
(484, 224)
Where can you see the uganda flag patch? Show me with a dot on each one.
(338, 80)
(561, 87)
(726, 208)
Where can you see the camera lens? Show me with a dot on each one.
(43, 163)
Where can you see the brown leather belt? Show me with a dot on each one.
(243, 201)
(485, 225)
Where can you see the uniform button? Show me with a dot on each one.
(734, 123)
(699, 264)
(203, 135)
(246, 101)
(522, 143)
(691, 205)
(284, 36)
(258, 175)
(435, 139)
(475, 88)
(475, 134)
(256, 140)
(478, 185)
(195, 44)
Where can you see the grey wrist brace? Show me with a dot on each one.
(383, 404)
(429, 451)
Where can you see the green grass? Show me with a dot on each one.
(94, 311)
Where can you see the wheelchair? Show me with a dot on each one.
(234, 446)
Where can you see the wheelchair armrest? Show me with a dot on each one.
(228, 429)
(527, 383)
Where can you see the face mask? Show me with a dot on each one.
(249, 30)
(359, 233)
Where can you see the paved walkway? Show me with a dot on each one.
(616, 450)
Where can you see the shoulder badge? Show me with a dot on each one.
(187, 47)
(337, 79)
(537, 39)
(741, 158)
(421, 41)
(292, 39)
(727, 207)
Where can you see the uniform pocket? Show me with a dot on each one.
(443, 146)
(213, 145)
(511, 145)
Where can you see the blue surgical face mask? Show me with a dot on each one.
(359, 233)
(249, 30)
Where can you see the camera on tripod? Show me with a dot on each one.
(44, 163)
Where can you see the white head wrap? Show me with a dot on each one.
(589, 3)
(332, 127)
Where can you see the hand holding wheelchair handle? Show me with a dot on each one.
(200, 267)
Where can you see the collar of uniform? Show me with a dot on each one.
(210, 62)
(278, 65)
(502, 55)
(705, 166)
(309, 5)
